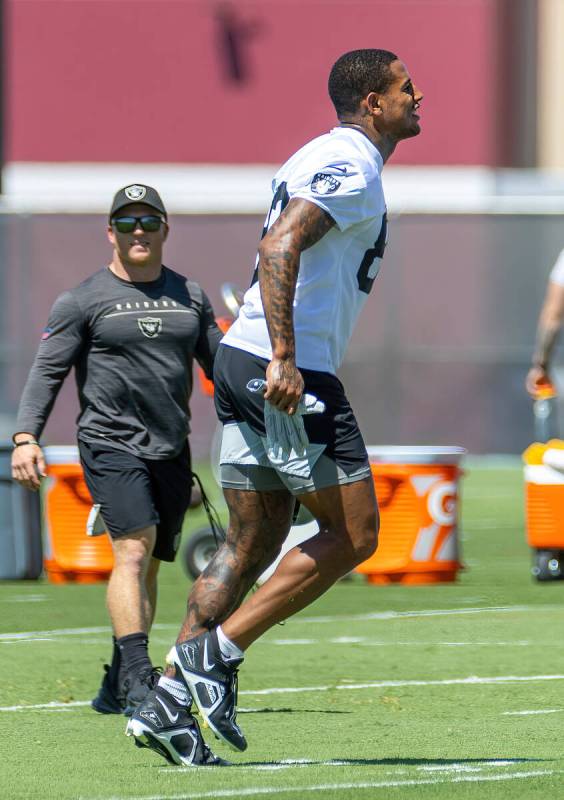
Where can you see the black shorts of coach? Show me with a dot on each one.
(343, 460)
(135, 493)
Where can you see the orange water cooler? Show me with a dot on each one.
(70, 555)
(544, 508)
(418, 494)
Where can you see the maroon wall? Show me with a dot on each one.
(205, 81)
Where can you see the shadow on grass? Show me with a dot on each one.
(290, 711)
(391, 762)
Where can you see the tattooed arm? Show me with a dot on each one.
(301, 225)
(550, 322)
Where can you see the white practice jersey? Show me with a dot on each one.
(557, 274)
(340, 172)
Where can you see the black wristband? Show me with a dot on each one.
(27, 441)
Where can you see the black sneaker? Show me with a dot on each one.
(109, 700)
(164, 725)
(212, 682)
(137, 688)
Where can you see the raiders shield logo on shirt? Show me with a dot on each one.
(150, 326)
(324, 184)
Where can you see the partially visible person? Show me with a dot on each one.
(319, 256)
(550, 321)
(131, 331)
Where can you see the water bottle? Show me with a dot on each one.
(545, 413)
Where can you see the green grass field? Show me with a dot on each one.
(450, 691)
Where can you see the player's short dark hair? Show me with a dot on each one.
(354, 75)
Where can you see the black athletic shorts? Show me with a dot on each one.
(344, 457)
(134, 492)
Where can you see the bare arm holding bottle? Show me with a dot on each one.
(550, 322)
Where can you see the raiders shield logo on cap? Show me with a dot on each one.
(135, 192)
(150, 326)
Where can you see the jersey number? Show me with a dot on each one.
(370, 264)
(279, 202)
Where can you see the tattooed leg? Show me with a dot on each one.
(258, 524)
(348, 521)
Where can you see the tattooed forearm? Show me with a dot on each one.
(550, 323)
(546, 339)
(301, 225)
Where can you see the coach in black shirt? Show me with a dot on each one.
(131, 331)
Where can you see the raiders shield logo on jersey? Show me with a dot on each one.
(150, 326)
(324, 184)
(135, 192)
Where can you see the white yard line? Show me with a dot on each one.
(25, 598)
(429, 643)
(377, 615)
(362, 641)
(472, 680)
(272, 766)
(59, 632)
(293, 763)
(461, 767)
(439, 612)
(366, 642)
(27, 641)
(53, 705)
(329, 787)
(357, 640)
(529, 713)
(99, 642)
(303, 642)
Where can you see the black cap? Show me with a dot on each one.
(137, 193)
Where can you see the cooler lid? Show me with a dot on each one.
(415, 454)
(61, 454)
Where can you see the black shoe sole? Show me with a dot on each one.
(146, 739)
(102, 708)
(106, 703)
(154, 744)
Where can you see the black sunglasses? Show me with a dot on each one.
(150, 223)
